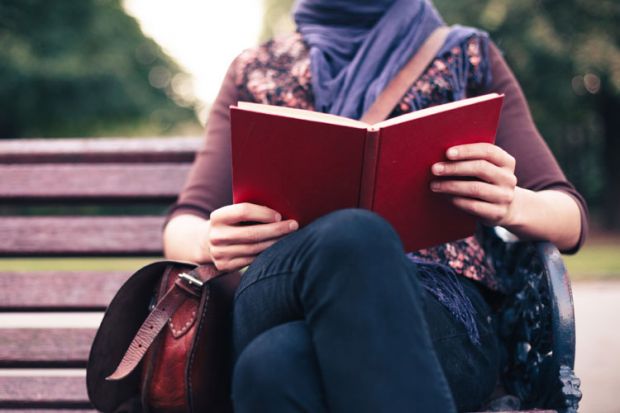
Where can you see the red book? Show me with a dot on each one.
(306, 164)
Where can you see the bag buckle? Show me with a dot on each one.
(191, 281)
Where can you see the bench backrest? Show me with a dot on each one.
(43, 351)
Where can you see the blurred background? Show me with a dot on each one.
(140, 67)
(94, 68)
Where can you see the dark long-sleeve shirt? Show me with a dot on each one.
(279, 73)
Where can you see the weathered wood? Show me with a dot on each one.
(95, 150)
(59, 290)
(33, 347)
(43, 392)
(76, 236)
(48, 410)
(92, 183)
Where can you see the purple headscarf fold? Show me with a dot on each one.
(358, 46)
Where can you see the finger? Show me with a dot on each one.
(474, 189)
(245, 212)
(491, 214)
(234, 264)
(478, 168)
(487, 151)
(251, 234)
(228, 252)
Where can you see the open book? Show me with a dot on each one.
(305, 164)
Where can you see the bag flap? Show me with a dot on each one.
(121, 321)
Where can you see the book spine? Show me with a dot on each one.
(369, 169)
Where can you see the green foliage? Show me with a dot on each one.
(82, 68)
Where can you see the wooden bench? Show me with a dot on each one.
(124, 176)
(132, 181)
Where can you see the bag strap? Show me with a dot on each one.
(398, 86)
(185, 286)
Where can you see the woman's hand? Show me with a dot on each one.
(238, 233)
(489, 189)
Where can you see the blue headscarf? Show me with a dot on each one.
(358, 46)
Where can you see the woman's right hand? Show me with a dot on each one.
(238, 233)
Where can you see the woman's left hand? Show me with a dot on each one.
(488, 191)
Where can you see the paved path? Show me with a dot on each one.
(597, 313)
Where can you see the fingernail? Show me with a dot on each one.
(438, 168)
(452, 152)
(293, 225)
(434, 186)
(278, 217)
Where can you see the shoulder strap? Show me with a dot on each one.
(399, 85)
(185, 286)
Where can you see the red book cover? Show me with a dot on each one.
(301, 168)
(305, 164)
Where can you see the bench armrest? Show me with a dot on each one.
(536, 323)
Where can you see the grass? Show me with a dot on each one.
(74, 264)
(597, 260)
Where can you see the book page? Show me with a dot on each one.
(435, 109)
(301, 114)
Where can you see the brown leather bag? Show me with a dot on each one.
(164, 344)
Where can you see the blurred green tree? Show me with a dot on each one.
(566, 55)
(84, 68)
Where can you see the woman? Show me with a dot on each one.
(335, 316)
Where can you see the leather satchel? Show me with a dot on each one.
(164, 344)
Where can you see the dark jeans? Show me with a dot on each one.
(333, 319)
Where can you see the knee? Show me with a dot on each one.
(269, 362)
(353, 232)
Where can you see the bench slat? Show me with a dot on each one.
(59, 290)
(78, 236)
(98, 182)
(52, 409)
(33, 347)
(95, 150)
(43, 392)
